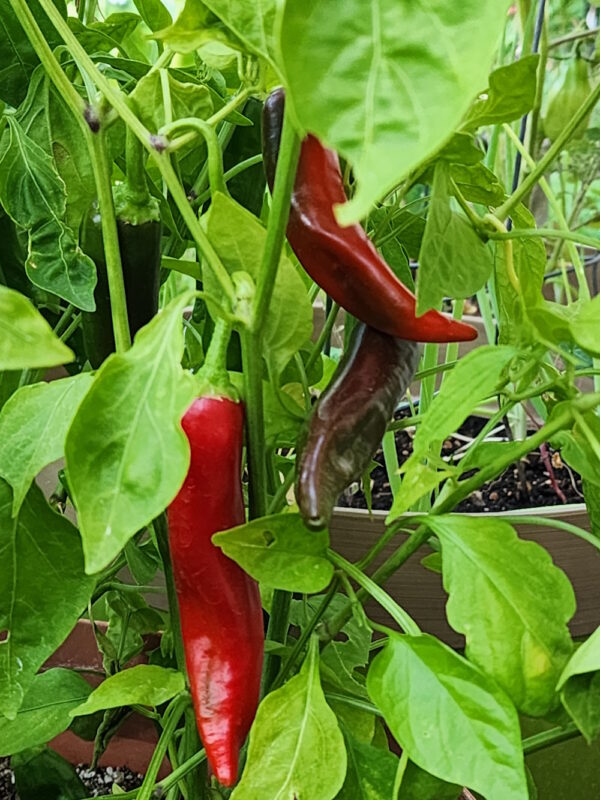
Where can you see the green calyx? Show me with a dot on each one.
(131, 209)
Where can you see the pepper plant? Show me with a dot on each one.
(131, 158)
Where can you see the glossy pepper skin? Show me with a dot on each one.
(219, 604)
(349, 419)
(140, 247)
(343, 261)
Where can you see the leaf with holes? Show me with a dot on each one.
(279, 552)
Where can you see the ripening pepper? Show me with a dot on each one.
(344, 261)
(349, 419)
(219, 604)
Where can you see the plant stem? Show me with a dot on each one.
(506, 208)
(323, 336)
(75, 323)
(229, 175)
(540, 741)
(170, 721)
(218, 117)
(548, 233)
(112, 254)
(397, 613)
(289, 152)
(161, 531)
(135, 174)
(215, 157)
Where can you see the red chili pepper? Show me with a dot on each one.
(344, 261)
(219, 604)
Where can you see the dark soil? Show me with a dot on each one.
(98, 782)
(505, 493)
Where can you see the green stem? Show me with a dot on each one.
(64, 320)
(397, 613)
(218, 117)
(170, 722)
(112, 254)
(215, 157)
(229, 175)
(540, 741)
(323, 336)
(289, 152)
(529, 182)
(548, 233)
(135, 174)
(75, 323)
(161, 531)
(304, 637)
(253, 392)
(278, 499)
(581, 533)
(400, 772)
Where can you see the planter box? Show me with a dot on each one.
(420, 591)
(134, 743)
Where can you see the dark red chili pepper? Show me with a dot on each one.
(344, 261)
(219, 604)
(349, 419)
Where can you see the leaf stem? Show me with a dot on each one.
(215, 157)
(323, 336)
(170, 721)
(161, 531)
(540, 741)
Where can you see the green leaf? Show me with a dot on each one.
(386, 84)
(252, 23)
(580, 685)
(371, 772)
(144, 685)
(126, 453)
(26, 340)
(33, 426)
(43, 590)
(477, 184)
(420, 480)
(453, 260)
(33, 194)
(239, 239)
(45, 710)
(280, 552)
(296, 749)
(187, 100)
(591, 493)
(510, 95)
(450, 718)
(154, 13)
(18, 58)
(511, 603)
(585, 326)
(472, 380)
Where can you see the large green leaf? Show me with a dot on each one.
(145, 685)
(296, 748)
(154, 13)
(453, 260)
(26, 339)
(126, 452)
(33, 194)
(511, 603)
(45, 710)
(239, 239)
(279, 552)
(43, 590)
(450, 718)
(187, 100)
(386, 83)
(33, 426)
